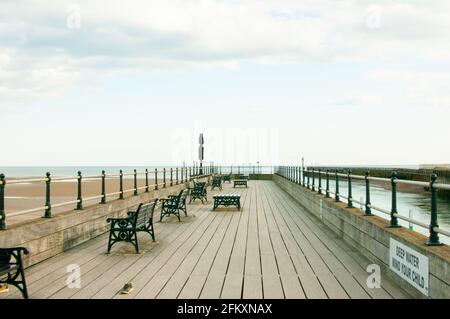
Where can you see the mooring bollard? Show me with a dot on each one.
(434, 236)
(103, 199)
(368, 211)
(48, 205)
(350, 198)
(79, 196)
(2, 202)
(394, 220)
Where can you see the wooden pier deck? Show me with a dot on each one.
(273, 248)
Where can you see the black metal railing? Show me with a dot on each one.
(166, 176)
(301, 176)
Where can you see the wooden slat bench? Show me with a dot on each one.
(125, 229)
(227, 200)
(199, 192)
(240, 182)
(11, 271)
(174, 204)
(216, 182)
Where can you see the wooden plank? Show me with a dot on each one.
(350, 274)
(181, 273)
(146, 274)
(212, 288)
(325, 276)
(232, 287)
(114, 285)
(166, 230)
(197, 278)
(272, 286)
(308, 280)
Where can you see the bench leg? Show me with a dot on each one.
(24, 284)
(135, 242)
(110, 243)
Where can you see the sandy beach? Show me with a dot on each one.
(19, 197)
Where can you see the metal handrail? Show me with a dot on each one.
(169, 177)
(301, 176)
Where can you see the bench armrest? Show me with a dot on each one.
(14, 250)
(120, 222)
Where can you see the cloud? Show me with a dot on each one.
(41, 56)
(420, 88)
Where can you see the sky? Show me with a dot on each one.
(134, 82)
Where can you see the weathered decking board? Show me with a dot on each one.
(272, 248)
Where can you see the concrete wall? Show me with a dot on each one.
(45, 238)
(370, 236)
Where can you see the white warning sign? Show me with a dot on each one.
(410, 265)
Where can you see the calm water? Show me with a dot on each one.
(418, 205)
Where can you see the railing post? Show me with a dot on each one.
(121, 184)
(394, 221)
(103, 199)
(2, 202)
(336, 196)
(327, 191)
(303, 176)
(156, 178)
(79, 197)
(135, 184)
(320, 182)
(146, 180)
(434, 236)
(48, 210)
(307, 181)
(350, 199)
(313, 181)
(171, 176)
(368, 211)
(176, 174)
(164, 177)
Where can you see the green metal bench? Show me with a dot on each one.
(226, 178)
(227, 200)
(174, 204)
(11, 271)
(199, 192)
(125, 229)
(240, 182)
(216, 182)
